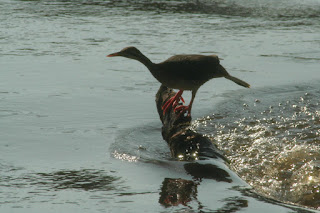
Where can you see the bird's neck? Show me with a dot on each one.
(146, 61)
(153, 68)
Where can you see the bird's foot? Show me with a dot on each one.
(183, 109)
(172, 102)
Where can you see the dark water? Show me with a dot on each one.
(80, 132)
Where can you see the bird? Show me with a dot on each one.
(182, 72)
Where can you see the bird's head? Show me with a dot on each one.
(128, 52)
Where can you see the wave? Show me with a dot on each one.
(244, 8)
(272, 138)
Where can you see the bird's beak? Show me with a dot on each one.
(114, 54)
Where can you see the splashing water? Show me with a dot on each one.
(273, 142)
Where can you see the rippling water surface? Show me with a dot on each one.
(273, 142)
(80, 132)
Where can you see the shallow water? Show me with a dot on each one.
(80, 132)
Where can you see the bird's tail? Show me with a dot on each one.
(237, 81)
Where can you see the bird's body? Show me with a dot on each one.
(183, 72)
(188, 71)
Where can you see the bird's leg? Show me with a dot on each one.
(173, 101)
(176, 102)
(184, 109)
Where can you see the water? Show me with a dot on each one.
(273, 144)
(80, 132)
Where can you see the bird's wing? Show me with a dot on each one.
(190, 67)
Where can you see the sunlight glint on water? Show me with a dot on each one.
(71, 118)
(275, 148)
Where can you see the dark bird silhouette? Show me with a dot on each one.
(183, 72)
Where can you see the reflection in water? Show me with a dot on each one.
(233, 204)
(273, 143)
(180, 191)
(177, 191)
(67, 28)
(207, 171)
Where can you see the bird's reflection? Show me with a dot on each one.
(177, 191)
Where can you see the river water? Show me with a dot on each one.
(80, 132)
